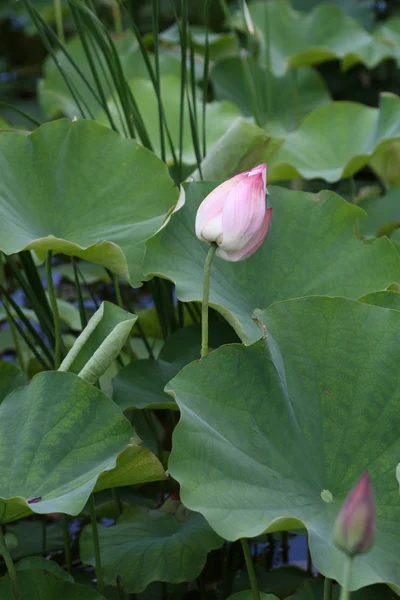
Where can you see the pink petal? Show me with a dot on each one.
(244, 212)
(212, 206)
(252, 245)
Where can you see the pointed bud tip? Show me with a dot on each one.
(355, 524)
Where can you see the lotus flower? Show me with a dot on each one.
(235, 216)
(355, 525)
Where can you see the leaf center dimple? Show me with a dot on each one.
(326, 496)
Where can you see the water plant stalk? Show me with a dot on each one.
(206, 295)
(96, 544)
(250, 569)
(5, 553)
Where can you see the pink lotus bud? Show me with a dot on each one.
(355, 524)
(235, 216)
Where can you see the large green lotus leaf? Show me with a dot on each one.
(242, 146)
(45, 208)
(99, 343)
(274, 436)
(57, 435)
(219, 116)
(337, 140)
(324, 33)
(10, 378)
(311, 248)
(383, 214)
(38, 585)
(175, 547)
(54, 95)
(292, 97)
(141, 383)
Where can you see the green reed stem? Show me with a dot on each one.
(15, 337)
(117, 17)
(59, 20)
(250, 568)
(4, 551)
(206, 295)
(54, 308)
(67, 547)
(96, 544)
(328, 587)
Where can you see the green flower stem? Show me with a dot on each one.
(54, 308)
(206, 295)
(345, 593)
(328, 585)
(96, 544)
(67, 547)
(4, 551)
(250, 569)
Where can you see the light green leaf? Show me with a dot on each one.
(361, 10)
(385, 163)
(54, 95)
(36, 585)
(305, 410)
(30, 537)
(57, 435)
(99, 343)
(314, 590)
(175, 546)
(73, 173)
(69, 314)
(337, 140)
(135, 464)
(383, 214)
(242, 146)
(387, 299)
(91, 272)
(322, 34)
(141, 383)
(219, 44)
(248, 595)
(219, 116)
(10, 378)
(43, 564)
(311, 248)
(293, 96)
